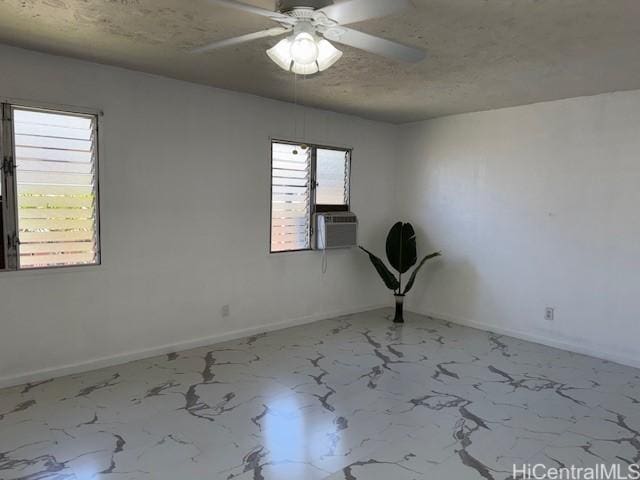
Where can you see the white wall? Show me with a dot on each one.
(185, 215)
(533, 206)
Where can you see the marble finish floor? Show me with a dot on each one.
(350, 398)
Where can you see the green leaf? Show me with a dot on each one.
(412, 279)
(388, 278)
(401, 247)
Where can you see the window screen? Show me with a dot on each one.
(332, 177)
(55, 181)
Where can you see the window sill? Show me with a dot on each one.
(50, 270)
(291, 252)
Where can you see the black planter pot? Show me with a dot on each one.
(399, 308)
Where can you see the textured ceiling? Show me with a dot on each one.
(483, 54)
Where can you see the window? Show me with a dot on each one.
(49, 188)
(305, 179)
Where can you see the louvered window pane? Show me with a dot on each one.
(332, 176)
(290, 197)
(56, 183)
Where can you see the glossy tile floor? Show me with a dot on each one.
(350, 398)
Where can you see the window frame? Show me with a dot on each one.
(312, 202)
(7, 149)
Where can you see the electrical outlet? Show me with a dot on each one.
(548, 314)
(225, 311)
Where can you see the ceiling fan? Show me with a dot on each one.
(311, 26)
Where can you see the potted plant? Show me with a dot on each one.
(402, 254)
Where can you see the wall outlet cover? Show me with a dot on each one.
(549, 314)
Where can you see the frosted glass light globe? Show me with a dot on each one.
(304, 49)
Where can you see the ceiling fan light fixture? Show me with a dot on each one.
(327, 55)
(302, 69)
(280, 54)
(304, 49)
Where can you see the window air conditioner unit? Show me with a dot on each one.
(335, 230)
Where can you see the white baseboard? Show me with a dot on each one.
(118, 359)
(550, 342)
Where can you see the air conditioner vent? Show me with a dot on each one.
(342, 219)
(336, 230)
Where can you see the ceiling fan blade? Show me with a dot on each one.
(272, 32)
(249, 8)
(373, 44)
(352, 11)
